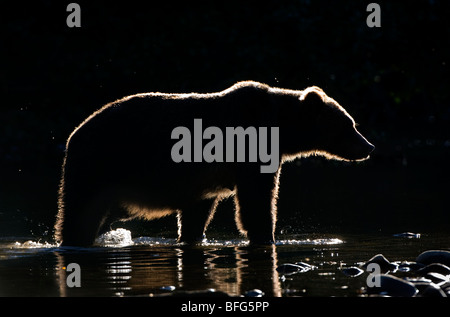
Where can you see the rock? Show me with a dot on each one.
(434, 267)
(306, 266)
(446, 288)
(408, 235)
(437, 278)
(433, 290)
(254, 293)
(352, 271)
(393, 286)
(384, 264)
(434, 256)
(289, 268)
(406, 266)
(421, 284)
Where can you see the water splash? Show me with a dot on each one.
(323, 241)
(232, 242)
(122, 237)
(115, 238)
(32, 245)
(151, 241)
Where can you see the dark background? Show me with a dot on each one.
(393, 80)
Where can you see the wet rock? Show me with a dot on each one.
(437, 278)
(384, 264)
(406, 266)
(446, 289)
(254, 293)
(403, 267)
(306, 266)
(289, 268)
(434, 267)
(420, 283)
(434, 256)
(352, 271)
(433, 290)
(408, 235)
(393, 286)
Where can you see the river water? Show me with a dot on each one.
(124, 266)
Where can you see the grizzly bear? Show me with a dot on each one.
(124, 160)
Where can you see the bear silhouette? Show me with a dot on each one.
(119, 163)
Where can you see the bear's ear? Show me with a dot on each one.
(312, 95)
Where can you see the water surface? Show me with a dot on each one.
(122, 266)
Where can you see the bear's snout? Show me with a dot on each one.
(364, 149)
(370, 148)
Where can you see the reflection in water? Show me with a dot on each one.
(230, 268)
(119, 272)
(145, 270)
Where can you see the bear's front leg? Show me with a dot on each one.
(255, 202)
(193, 220)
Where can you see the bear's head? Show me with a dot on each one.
(317, 124)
